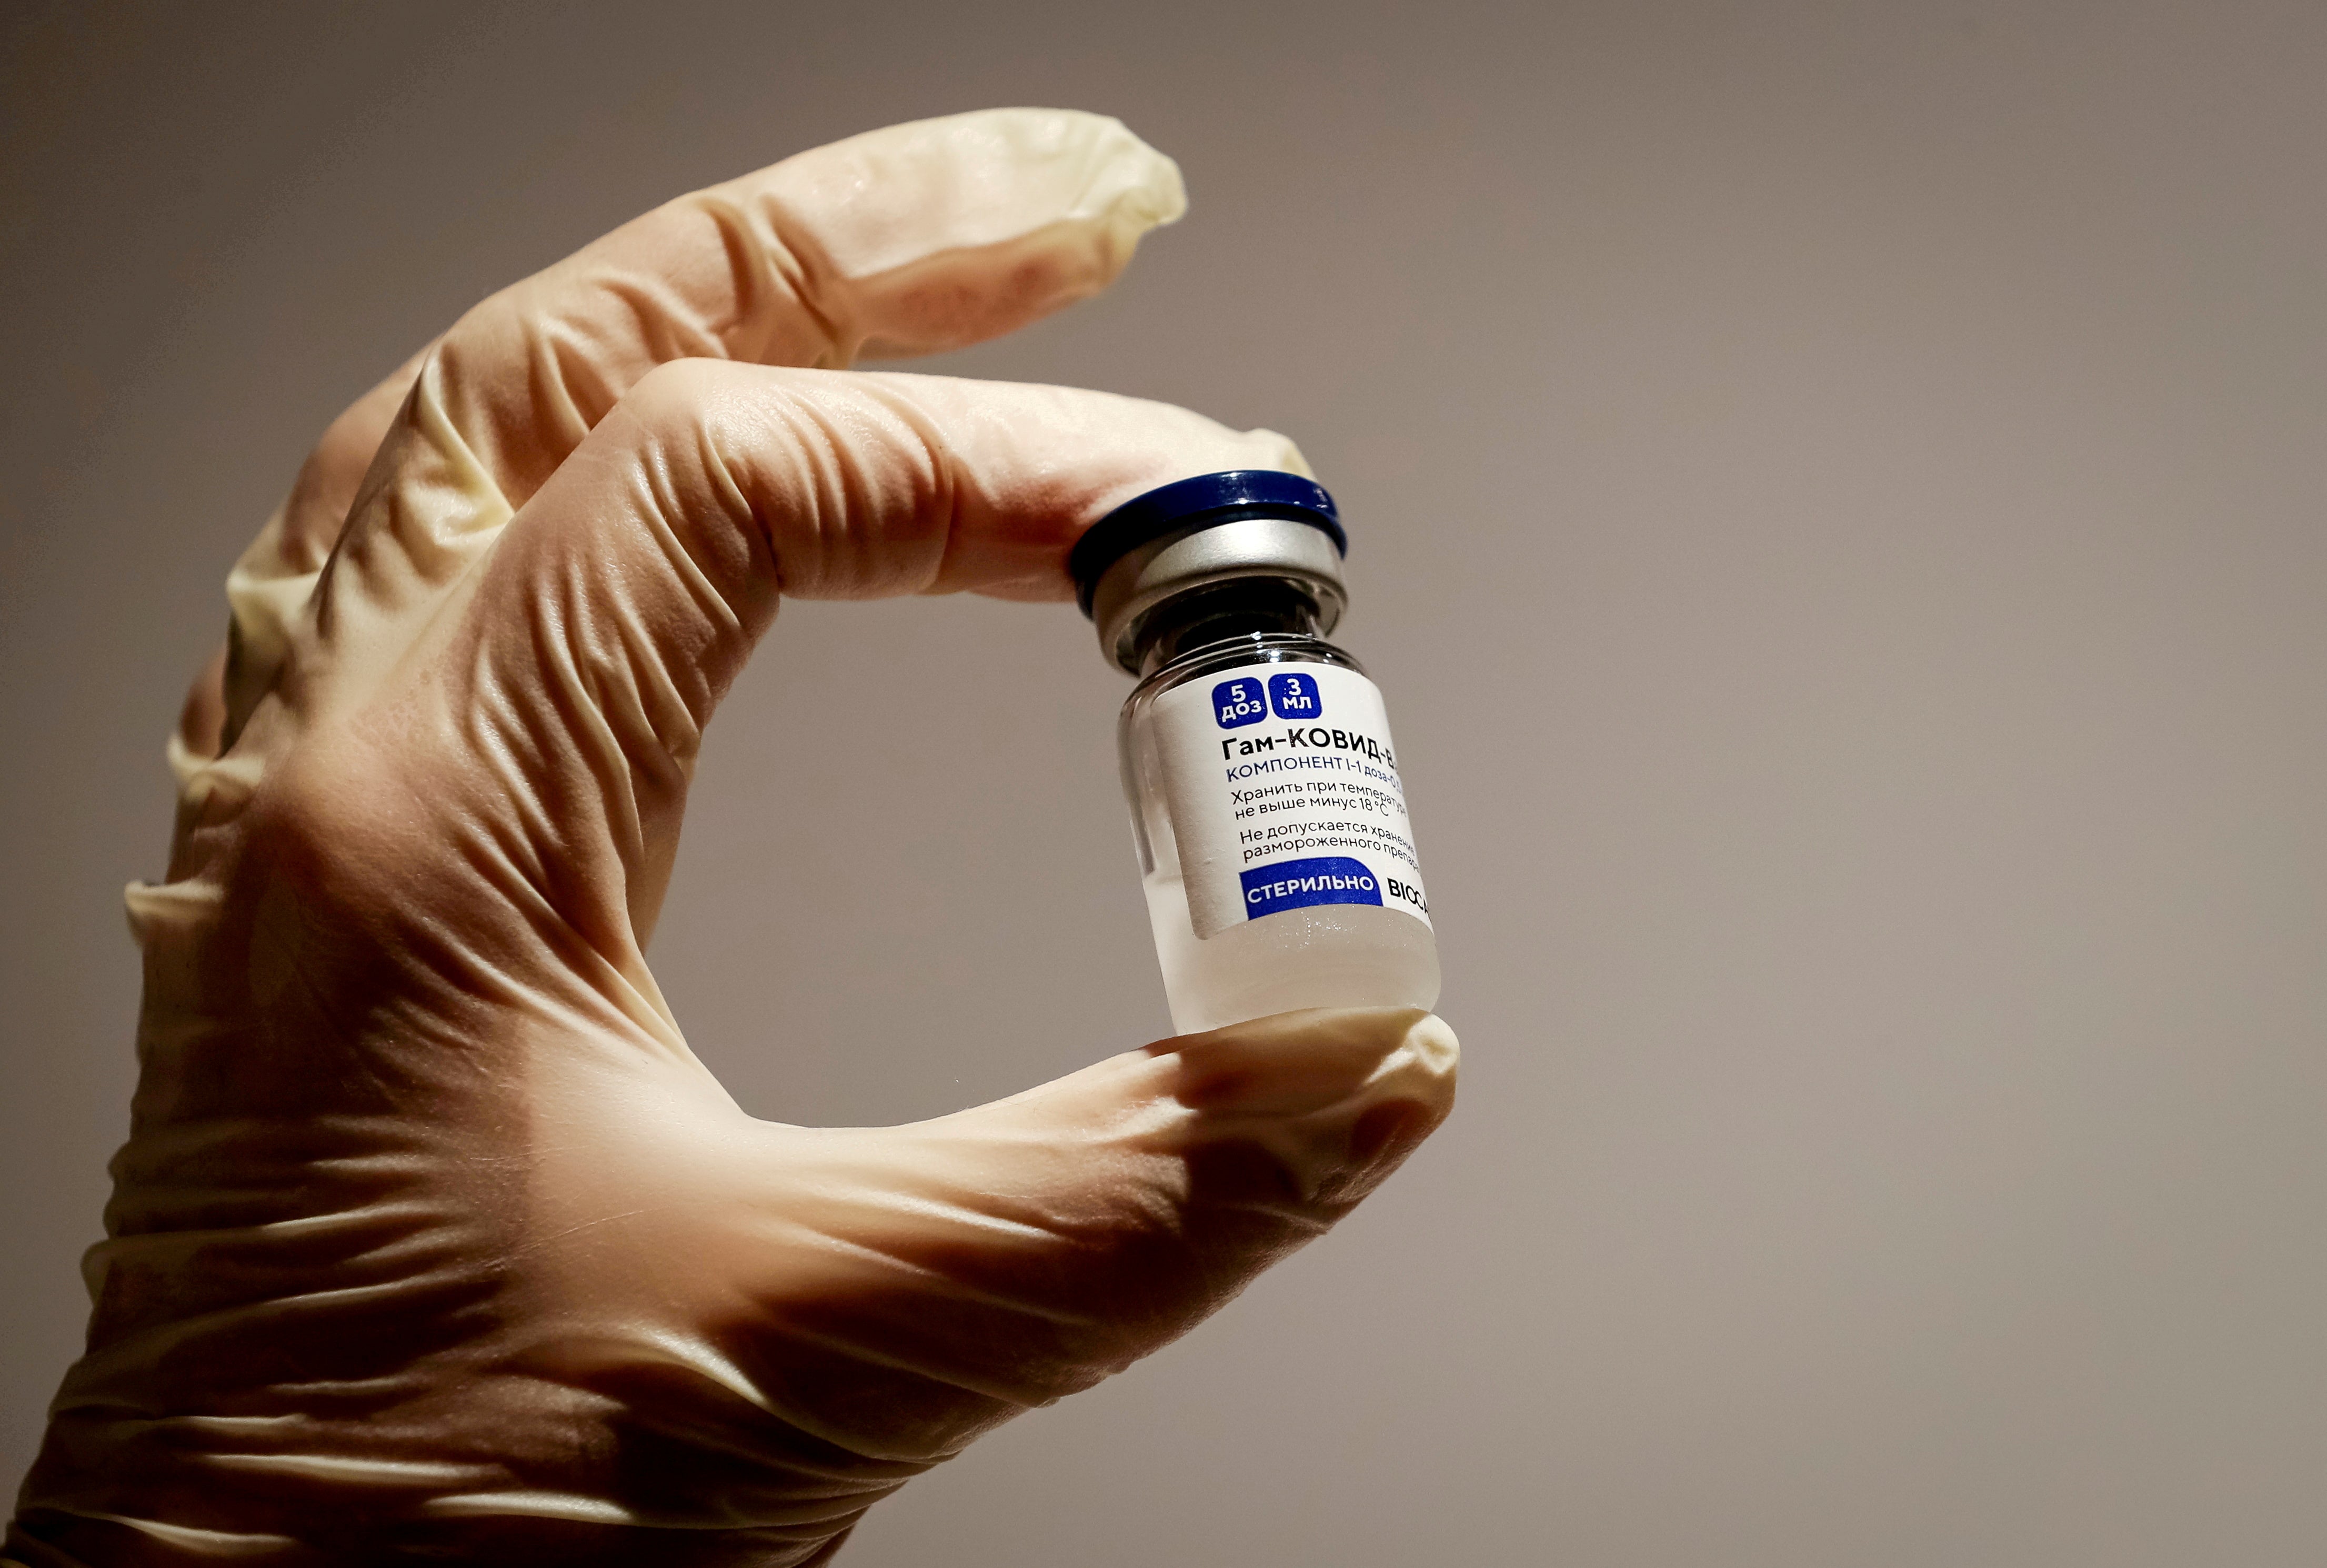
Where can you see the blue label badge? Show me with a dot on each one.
(1239, 701)
(1295, 697)
(1330, 878)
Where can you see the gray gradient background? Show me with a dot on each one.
(1838, 495)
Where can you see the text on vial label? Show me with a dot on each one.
(1291, 815)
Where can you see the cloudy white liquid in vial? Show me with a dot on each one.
(1333, 956)
(1321, 955)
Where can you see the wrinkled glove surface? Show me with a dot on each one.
(431, 1238)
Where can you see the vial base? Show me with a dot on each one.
(1324, 956)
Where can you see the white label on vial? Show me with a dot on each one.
(1283, 793)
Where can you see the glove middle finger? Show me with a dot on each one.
(910, 239)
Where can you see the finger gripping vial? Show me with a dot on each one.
(1265, 800)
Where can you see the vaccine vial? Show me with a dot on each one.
(1265, 802)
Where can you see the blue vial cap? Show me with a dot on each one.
(1201, 502)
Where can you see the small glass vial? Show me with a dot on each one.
(1265, 802)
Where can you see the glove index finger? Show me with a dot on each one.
(716, 489)
(587, 652)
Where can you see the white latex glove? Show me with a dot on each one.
(431, 1239)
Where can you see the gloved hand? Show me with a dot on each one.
(431, 1237)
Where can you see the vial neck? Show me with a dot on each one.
(1223, 612)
